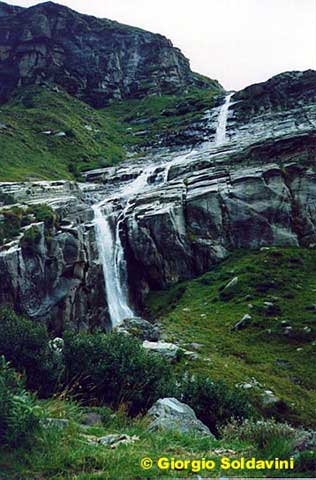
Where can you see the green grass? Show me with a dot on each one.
(66, 454)
(167, 116)
(93, 139)
(198, 311)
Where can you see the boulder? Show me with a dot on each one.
(170, 414)
(166, 349)
(140, 328)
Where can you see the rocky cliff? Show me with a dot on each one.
(94, 59)
(175, 212)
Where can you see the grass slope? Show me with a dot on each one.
(278, 358)
(82, 138)
(92, 139)
(65, 454)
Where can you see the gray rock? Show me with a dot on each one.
(231, 285)
(166, 349)
(96, 60)
(116, 439)
(243, 323)
(170, 414)
(61, 423)
(268, 398)
(139, 328)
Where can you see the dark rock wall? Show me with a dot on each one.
(93, 59)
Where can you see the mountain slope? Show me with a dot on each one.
(94, 59)
(47, 134)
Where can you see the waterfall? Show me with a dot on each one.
(107, 226)
(111, 254)
(220, 135)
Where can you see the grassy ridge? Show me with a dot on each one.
(280, 359)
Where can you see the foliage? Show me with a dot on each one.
(114, 369)
(213, 401)
(44, 213)
(10, 223)
(6, 198)
(19, 415)
(258, 432)
(25, 344)
(31, 239)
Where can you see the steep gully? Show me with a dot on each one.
(108, 221)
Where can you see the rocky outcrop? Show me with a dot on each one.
(178, 212)
(56, 279)
(94, 59)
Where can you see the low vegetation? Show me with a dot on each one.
(113, 376)
(14, 218)
(275, 351)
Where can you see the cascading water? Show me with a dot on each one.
(107, 225)
(111, 255)
(220, 135)
(108, 219)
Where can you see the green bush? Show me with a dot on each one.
(25, 344)
(6, 198)
(19, 415)
(115, 370)
(44, 213)
(260, 433)
(213, 401)
(31, 239)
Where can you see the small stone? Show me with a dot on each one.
(243, 322)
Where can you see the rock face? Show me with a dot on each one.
(93, 59)
(170, 414)
(178, 212)
(60, 280)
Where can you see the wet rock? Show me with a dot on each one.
(170, 414)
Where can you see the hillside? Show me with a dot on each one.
(47, 134)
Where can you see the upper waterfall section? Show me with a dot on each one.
(94, 59)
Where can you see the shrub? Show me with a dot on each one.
(213, 401)
(260, 433)
(25, 344)
(6, 198)
(19, 415)
(31, 239)
(114, 370)
(44, 213)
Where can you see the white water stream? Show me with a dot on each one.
(107, 223)
(220, 135)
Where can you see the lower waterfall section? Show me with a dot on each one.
(112, 258)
